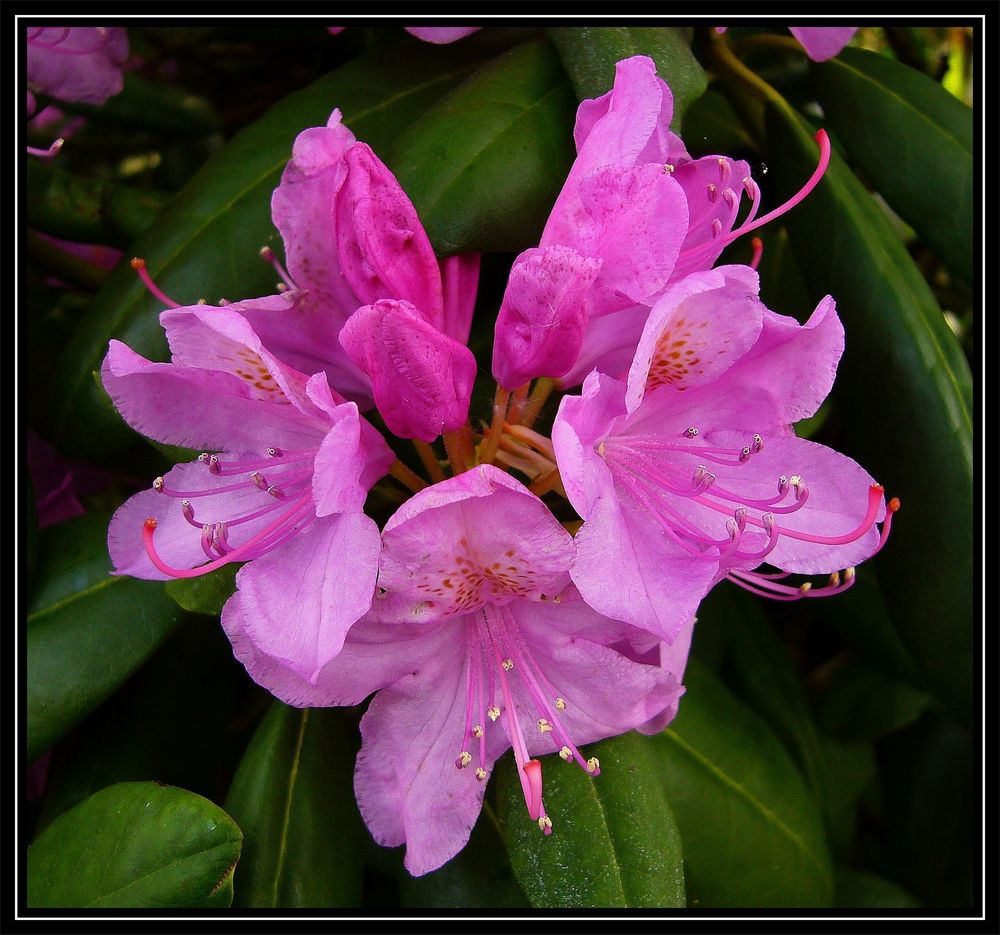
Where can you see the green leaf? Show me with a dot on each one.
(712, 126)
(206, 242)
(858, 889)
(477, 877)
(762, 674)
(205, 594)
(906, 386)
(88, 630)
(173, 722)
(590, 53)
(861, 702)
(87, 210)
(614, 841)
(294, 799)
(752, 834)
(135, 845)
(156, 106)
(485, 164)
(927, 176)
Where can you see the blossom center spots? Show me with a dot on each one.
(677, 355)
(466, 582)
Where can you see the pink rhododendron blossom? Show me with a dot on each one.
(638, 205)
(820, 42)
(76, 63)
(689, 471)
(477, 642)
(286, 489)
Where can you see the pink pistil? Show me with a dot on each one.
(268, 255)
(758, 252)
(46, 153)
(139, 265)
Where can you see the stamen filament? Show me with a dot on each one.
(139, 265)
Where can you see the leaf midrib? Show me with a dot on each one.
(745, 794)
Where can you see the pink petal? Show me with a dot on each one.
(701, 327)
(459, 282)
(823, 42)
(480, 536)
(652, 583)
(711, 211)
(60, 66)
(543, 315)
(221, 339)
(303, 209)
(406, 783)
(440, 35)
(606, 692)
(373, 656)
(637, 216)
(298, 601)
(383, 249)
(197, 408)
(617, 137)
(177, 541)
(421, 379)
(796, 363)
(608, 345)
(581, 424)
(361, 442)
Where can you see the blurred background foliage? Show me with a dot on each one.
(826, 753)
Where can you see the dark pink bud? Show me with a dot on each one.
(384, 251)
(541, 322)
(421, 378)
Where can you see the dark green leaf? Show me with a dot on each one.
(614, 841)
(752, 834)
(484, 165)
(762, 674)
(87, 210)
(861, 702)
(590, 53)
(294, 799)
(849, 770)
(135, 845)
(712, 126)
(206, 242)
(150, 105)
(174, 721)
(87, 629)
(933, 820)
(927, 175)
(858, 889)
(478, 877)
(205, 594)
(907, 388)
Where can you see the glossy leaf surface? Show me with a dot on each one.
(136, 845)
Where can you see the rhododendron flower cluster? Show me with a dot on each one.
(478, 619)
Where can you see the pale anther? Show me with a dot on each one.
(544, 822)
(493, 712)
(158, 484)
(508, 664)
(593, 764)
(477, 731)
(691, 432)
(481, 774)
(758, 443)
(464, 759)
(561, 704)
(566, 753)
(805, 587)
(544, 726)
